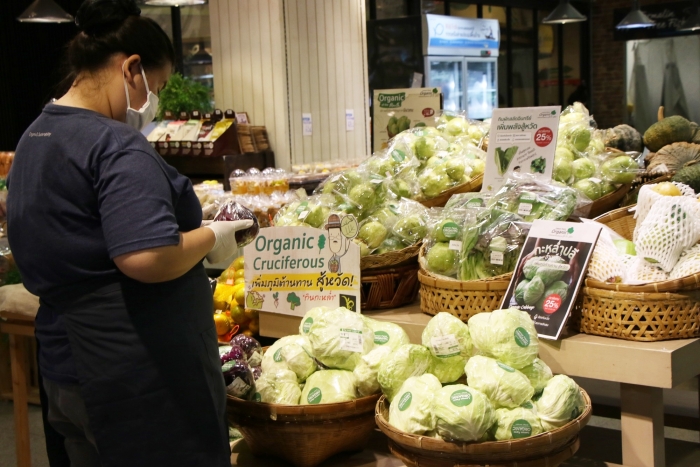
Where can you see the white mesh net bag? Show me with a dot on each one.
(606, 263)
(640, 271)
(688, 264)
(670, 227)
(647, 197)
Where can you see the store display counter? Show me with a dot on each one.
(643, 370)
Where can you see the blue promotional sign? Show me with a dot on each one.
(449, 35)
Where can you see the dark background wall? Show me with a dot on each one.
(30, 55)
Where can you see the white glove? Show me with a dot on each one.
(225, 234)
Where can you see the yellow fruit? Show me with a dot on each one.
(248, 333)
(253, 327)
(239, 296)
(223, 323)
(239, 274)
(240, 280)
(223, 296)
(238, 263)
(251, 314)
(666, 189)
(238, 314)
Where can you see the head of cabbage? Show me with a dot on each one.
(503, 385)
(406, 361)
(290, 353)
(328, 387)
(450, 344)
(367, 368)
(412, 411)
(387, 334)
(538, 373)
(507, 335)
(309, 318)
(462, 413)
(516, 423)
(561, 401)
(339, 338)
(277, 387)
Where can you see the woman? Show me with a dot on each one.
(109, 237)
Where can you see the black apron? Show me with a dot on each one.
(148, 367)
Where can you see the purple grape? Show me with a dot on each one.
(236, 353)
(239, 378)
(248, 344)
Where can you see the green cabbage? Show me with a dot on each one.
(462, 413)
(387, 334)
(533, 290)
(449, 342)
(520, 292)
(507, 335)
(538, 373)
(277, 387)
(548, 275)
(406, 361)
(529, 268)
(328, 387)
(516, 423)
(412, 412)
(309, 318)
(367, 368)
(297, 360)
(561, 402)
(302, 365)
(339, 338)
(560, 288)
(504, 385)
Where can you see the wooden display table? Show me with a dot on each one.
(643, 370)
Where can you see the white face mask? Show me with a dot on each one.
(139, 119)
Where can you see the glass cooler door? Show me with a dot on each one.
(481, 87)
(448, 74)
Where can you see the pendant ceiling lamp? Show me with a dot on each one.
(635, 19)
(45, 11)
(564, 13)
(175, 3)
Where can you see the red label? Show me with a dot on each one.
(428, 112)
(551, 304)
(543, 137)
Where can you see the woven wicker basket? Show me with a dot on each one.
(540, 450)
(439, 201)
(408, 255)
(389, 287)
(303, 435)
(649, 312)
(608, 202)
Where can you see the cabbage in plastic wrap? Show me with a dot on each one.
(328, 387)
(507, 335)
(412, 410)
(339, 338)
(462, 413)
(406, 361)
(561, 402)
(450, 344)
(277, 387)
(503, 385)
(232, 211)
(367, 369)
(517, 423)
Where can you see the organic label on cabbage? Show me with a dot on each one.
(445, 346)
(497, 258)
(257, 397)
(277, 356)
(506, 367)
(381, 337)
(524, 209)
(455, 245)
(450, 230)
(314, 396)
(302, 207)
(405, 401)
(520, 429)
(307, 325)
(238, 387)
(351, 340)
(461, 398)
(522, 337)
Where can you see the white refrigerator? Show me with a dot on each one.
(461, 58)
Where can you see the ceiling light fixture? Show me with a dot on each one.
(564, 13)
(635, 19)
(44, 11)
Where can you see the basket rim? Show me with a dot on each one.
(390, 258)
(570, 430)
(466, 187)
(421, 254)
(361, 403)
(690, 282)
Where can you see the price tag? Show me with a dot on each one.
(303, 214)
(445, 346)
(351, 340)
(455, 245)
(524, 209)
(497, 258)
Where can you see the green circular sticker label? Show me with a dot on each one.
(314, 396)
(257, 397)
(381, 337)
(307, 325)
(302, 207)
(461, 398)
(475, 203)
(450, 230)
(521, 429)
(527, 405)
(506, 367)
(398, 155)
(522, 337)
(405, 401)
(278, 355)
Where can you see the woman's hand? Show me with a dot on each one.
(225, 234)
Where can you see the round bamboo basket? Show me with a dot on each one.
(608, 202)
(425, 451)
(648, 312)
(408, 255)
(303, 435)
(440, 200)
(389, 287)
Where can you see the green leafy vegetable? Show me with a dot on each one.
(561, 402)
(450, 344)
(516, 423)
(504, 157)
(328, 387)
(507, 335)
(411, 411)
(462, 413)
(503, 385)
(406, 361)
(538, 165)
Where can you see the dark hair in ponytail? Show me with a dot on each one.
(112, 26)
